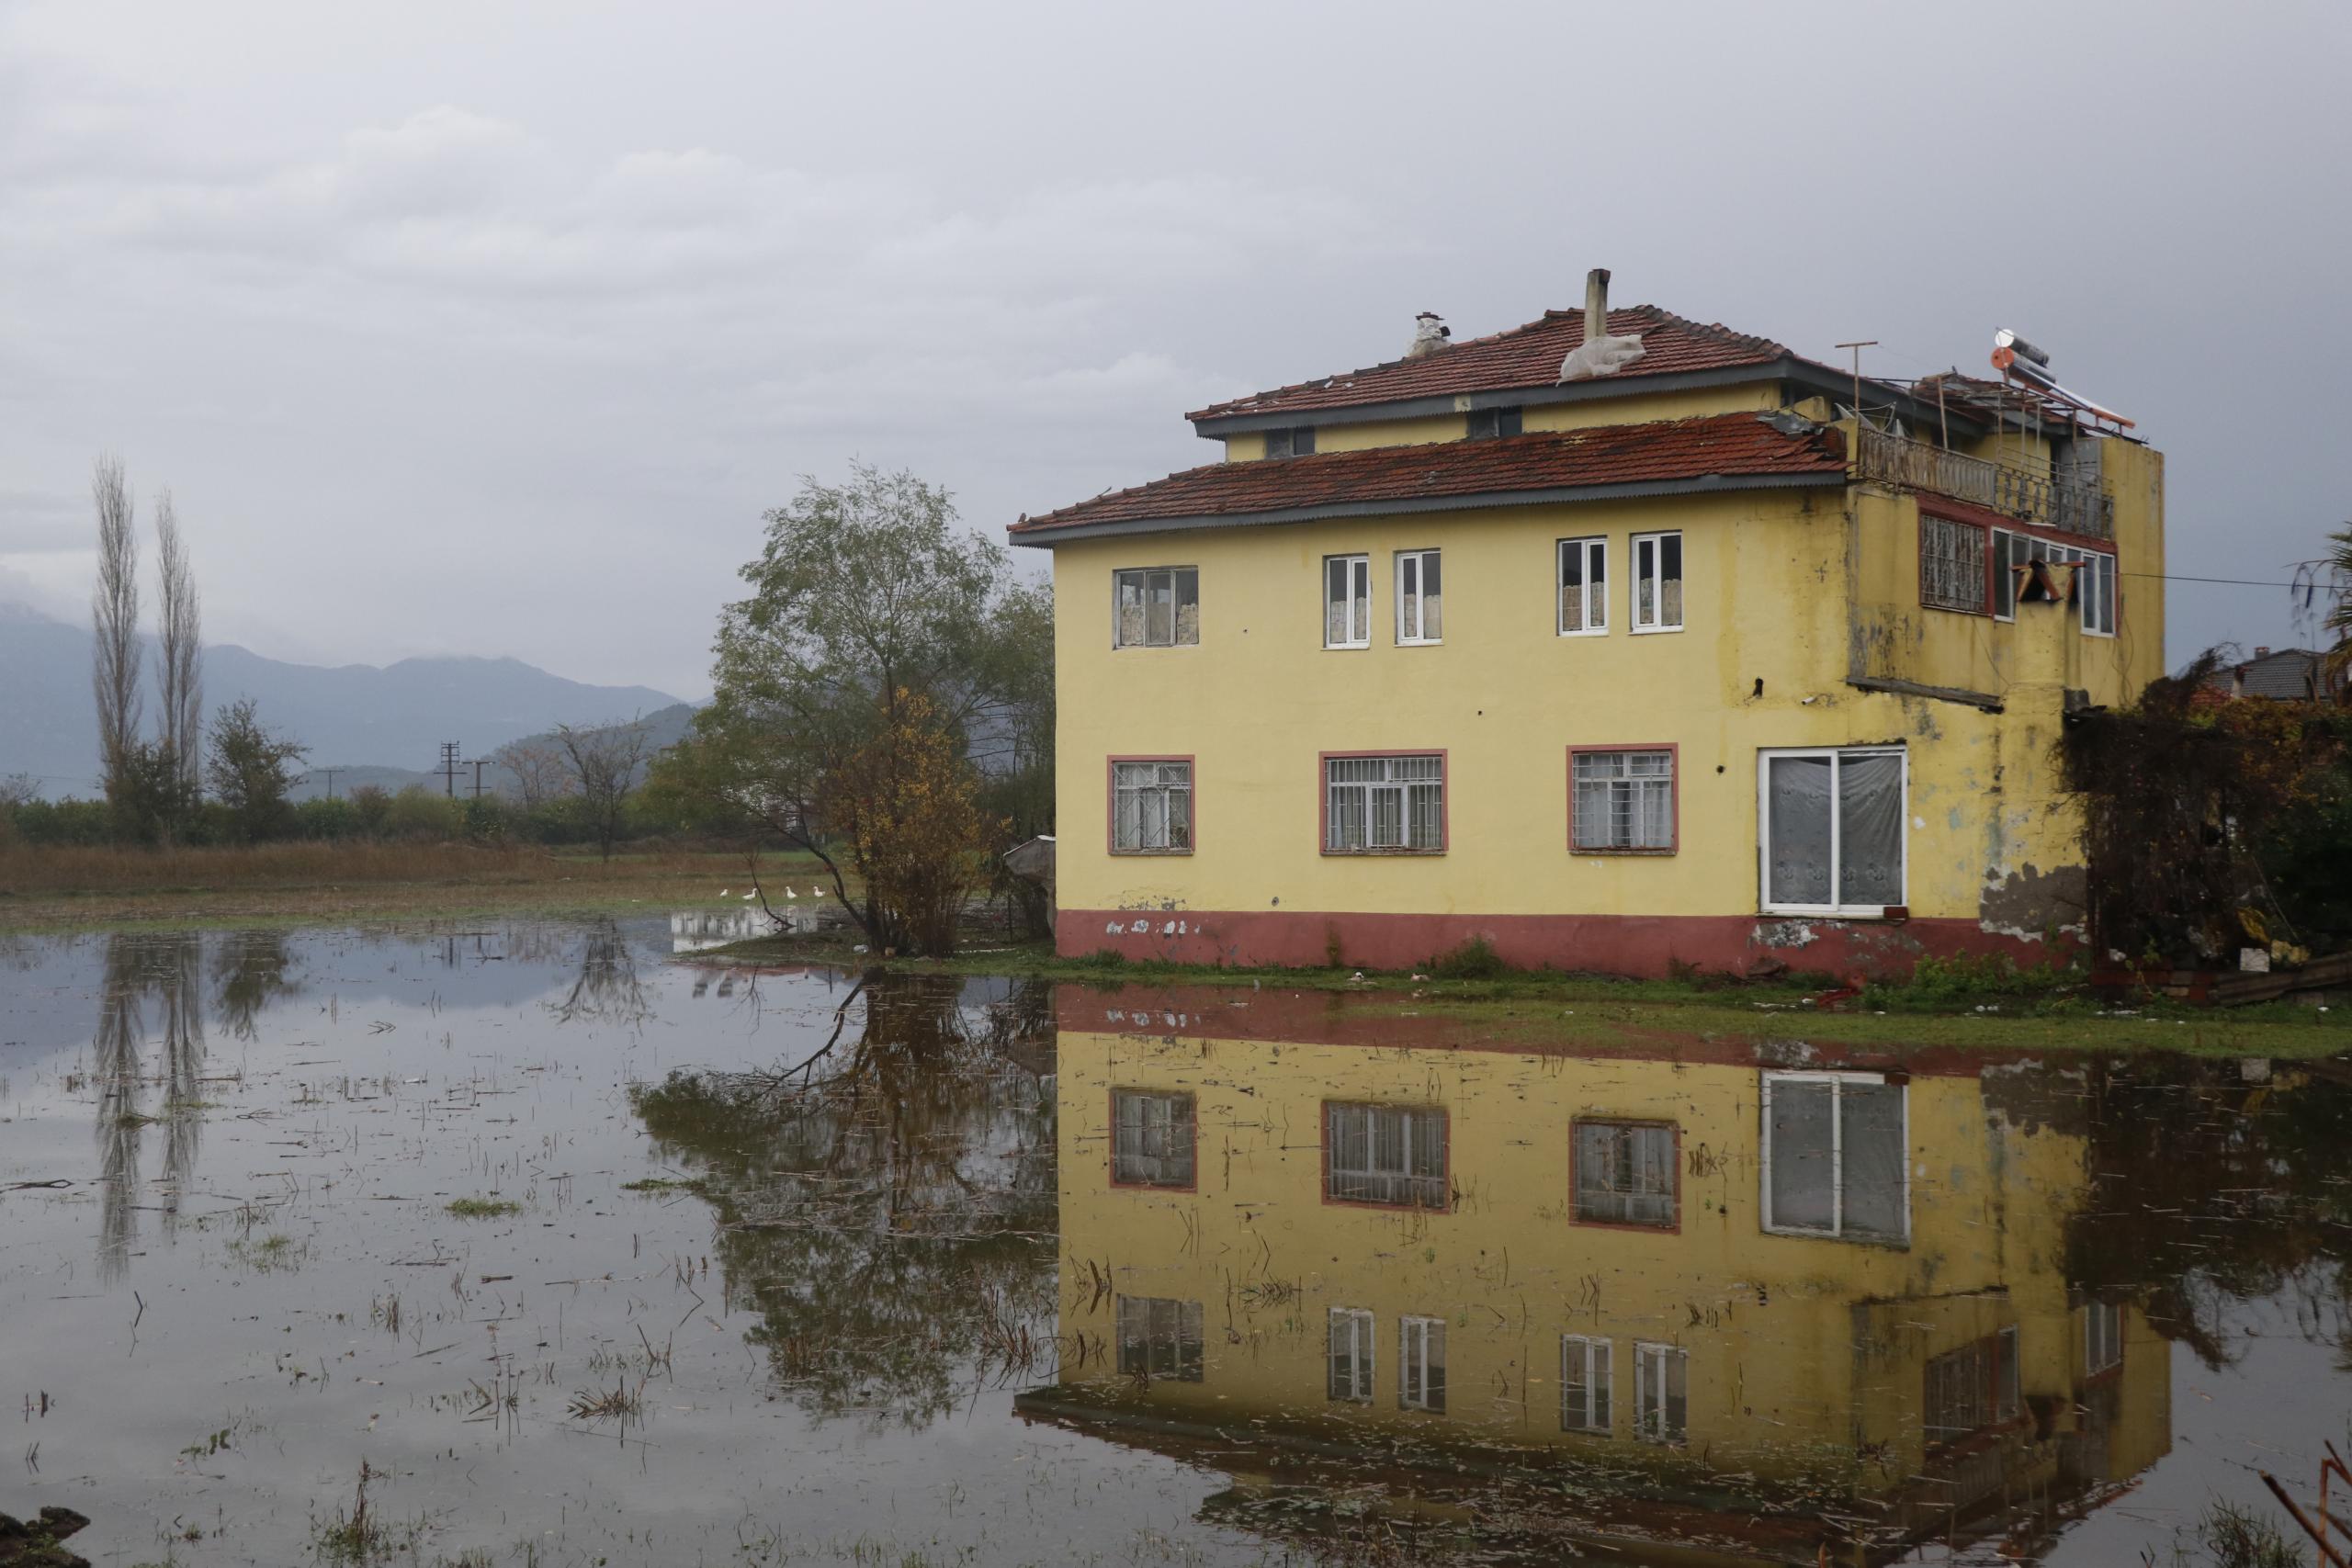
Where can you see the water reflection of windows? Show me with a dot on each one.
(1351, 1356)
(1625, 1173)
(1584, 1383)
(1420, 1363)
(1385, 1154)
(2102, 1337)
(1159, 1339)
(1836, 1156)
(1972, 1389)
(1151, 1139)
(1661, 1405)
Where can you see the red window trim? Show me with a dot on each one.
(1323, 761)
(1977, 516)
(1323, 1138)
(1111, 801)
(1111, 1162)
(1674, 791)
(1581, 1121)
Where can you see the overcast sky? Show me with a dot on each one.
(492, 327)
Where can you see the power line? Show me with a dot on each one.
(2235, 581)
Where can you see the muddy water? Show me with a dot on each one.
(577, 1254)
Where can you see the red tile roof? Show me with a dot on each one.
(1731, 446)
(1522, 357)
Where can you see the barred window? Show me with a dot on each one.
(1152, 808)
(1951, 565)
(1160, 1338)
(1151, 1139)
(1385, 1154)
(1384, 803)
(1622, 800)
(1625, 1173)
(1972, 1388)
(1157, 607)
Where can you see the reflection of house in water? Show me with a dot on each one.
(697, 931)
(1687, 1294)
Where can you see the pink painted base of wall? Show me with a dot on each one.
(1647, 946)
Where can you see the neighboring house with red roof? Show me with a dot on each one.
(1615, 639)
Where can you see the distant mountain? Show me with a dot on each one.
(392, 719)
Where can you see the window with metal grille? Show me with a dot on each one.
(1420, 1363)
(1158, 606)
(1389, 1154)
(1351, 1356)
(1347, 601)
(1972, 1389)
(1160, 1338)
(2102, 1337)
(1584, 587)
(1384, 803)
(1661, 1386)
(1584, 1383)
(1951, 565)
(1622, 800)
(1486, 423)
(1420, 598)
(1837, 1159)
(1625, 1173)
(1657, 582)
(1151, 1139)
(1151, 807)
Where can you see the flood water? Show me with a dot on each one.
(552, 1244)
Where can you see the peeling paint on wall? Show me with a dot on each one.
(2029, 902)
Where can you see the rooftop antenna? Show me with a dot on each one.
(1857, 347)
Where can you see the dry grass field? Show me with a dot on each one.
(63, 889)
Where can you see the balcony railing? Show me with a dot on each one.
(2068, 504)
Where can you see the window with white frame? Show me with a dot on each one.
(1420, 1363)
(1421, 601)
(1584, 587)
(2095, 583)
(1347, 601)
(1151, 804)
(1972, 1389)
(1657, 582)
(1384, 803)
(1951, 565)
(1622, 800)
(1158, 606)
(1584, 1383)
(1160, 1338)
(1837, 1157)
(1831, 830)
(1661, 1387)
(2102, 1337)
(1625, 1173)
(1151, 1139)
(1351, 1356)
(1390, 1154)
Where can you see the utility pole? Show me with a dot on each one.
(449, 768)
(331, 773)
(479, 762)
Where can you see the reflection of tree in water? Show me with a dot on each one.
(251, 970)
(890, 1206)
(2208, 1192)
(606, 989)
(117, 1077)
(170, 970)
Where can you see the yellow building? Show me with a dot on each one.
(1670, 660)
(1689, 1295)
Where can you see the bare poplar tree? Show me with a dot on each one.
(180, 647)
(114, 613)
(602, 760)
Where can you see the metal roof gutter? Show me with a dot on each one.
(1813, 377)
(1707, 484)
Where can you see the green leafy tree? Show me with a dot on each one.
(251, 771)
(872, 616)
